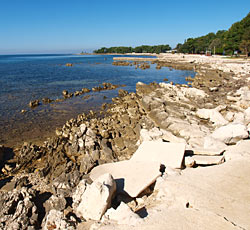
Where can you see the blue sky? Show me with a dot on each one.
(59, 26)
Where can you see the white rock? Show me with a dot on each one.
(193, 92)
(77, 195)
(168, 154)
(247, 115)
(229, 116)
(131, 177)
(97, 198)
(208, 160)
(239, 118)
(168, 136)
(123, 215)
(211, 143)
(208, 152)
(241, 149)
(148, 135)
(230, 133)
(213, 115)
(55, 220)
(233, 99)
(189, 162)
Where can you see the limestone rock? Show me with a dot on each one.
(131, 177)
(77, 195)
(18, 210)
(55, 202)
(212, 143)
(193, 92)
(123, 215)
(208, 152)
(55, 220)
(97, 198)
(148, 135)
(168, 136)
(241, 149)
(189, 162)
(231, 133)
(208, 160)
(168, 154)
(213, 115)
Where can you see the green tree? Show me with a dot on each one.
(245, 43)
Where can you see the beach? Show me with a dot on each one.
(206, 119)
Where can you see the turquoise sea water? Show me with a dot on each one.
(29, 77)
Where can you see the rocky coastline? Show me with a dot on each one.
(50, 186)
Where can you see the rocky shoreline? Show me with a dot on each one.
(50, 186)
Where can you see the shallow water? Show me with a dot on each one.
(29, 77)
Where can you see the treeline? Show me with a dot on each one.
(139, 49)
(237, 38)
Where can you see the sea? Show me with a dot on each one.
(24, 78)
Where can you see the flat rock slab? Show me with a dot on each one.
(168, 154)
(208, 152)
(131, 177)
(208, 160)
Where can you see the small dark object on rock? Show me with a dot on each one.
(65, 92)
(46, 100)
(34, 103)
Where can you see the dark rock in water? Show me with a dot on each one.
(77, 93)
(189, 78)
(121, 63)
(34, 103)
(85, 90)
(122, 93)
(46, 100)
(144, 65)
(165, 79)
(65, 93)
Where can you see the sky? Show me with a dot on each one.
(60, 26)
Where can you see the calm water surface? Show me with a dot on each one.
(29, 77)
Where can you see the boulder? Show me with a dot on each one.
(77, 195)
(213, 115)
(241, 149)
(97, 197)
(123, 215)
(168, 136)
(231, 133)
(211, 143)
(148, 135)
(55, 202)
(193, 92)
(131, 177)
(55, 220)
(168, 154)
(189, 162)
(247, 115)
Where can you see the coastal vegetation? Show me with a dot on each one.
(236, 38)
(139, 49)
